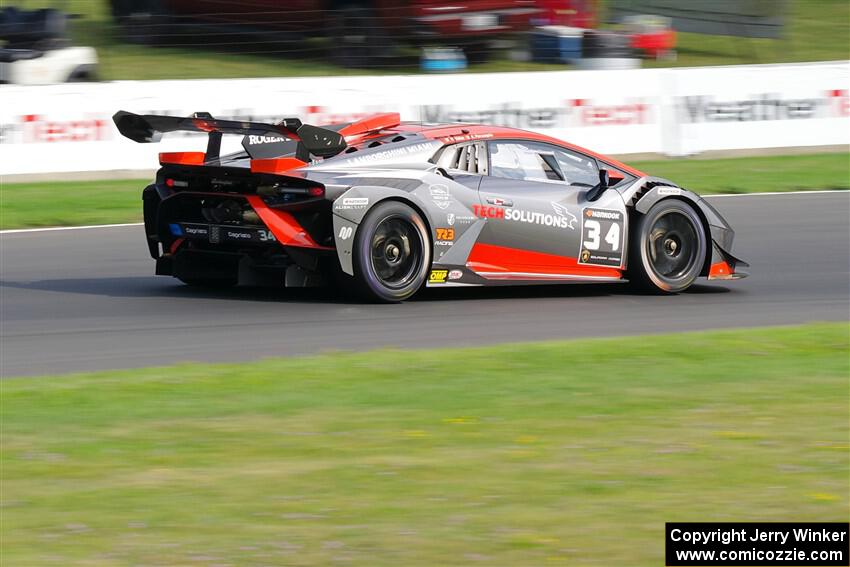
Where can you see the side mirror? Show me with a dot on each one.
(596, 192)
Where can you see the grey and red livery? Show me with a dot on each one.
(387, 207)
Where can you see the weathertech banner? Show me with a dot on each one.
(68, 127)
(764, 544)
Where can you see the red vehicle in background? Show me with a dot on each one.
(571, 13)
(361, 31)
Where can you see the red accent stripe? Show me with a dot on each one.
(182, 158)
(175, 245)
(204, 125)
(492, 258)
(283, 225)
(275, 165)
(372, 123)
(720, 269)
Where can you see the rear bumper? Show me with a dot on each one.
(259, 246)
(242, 268)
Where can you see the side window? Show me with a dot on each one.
(468, 157)
(577, 169)
(515, 160)
(531, 161)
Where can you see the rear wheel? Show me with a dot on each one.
(391, 253)
(668, 247)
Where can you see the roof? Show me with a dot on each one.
(462, 132)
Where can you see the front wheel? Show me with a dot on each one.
(391, 253)
(668, 247)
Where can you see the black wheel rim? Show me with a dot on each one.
(673, 245)
(396, 252)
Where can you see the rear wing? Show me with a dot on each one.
(312, 140)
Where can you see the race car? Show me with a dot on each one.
(384, 208)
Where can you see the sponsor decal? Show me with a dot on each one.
(455, 275)
(345, 232)
(253, 140)
(196, 230)
(588, 114)
(452, 219)
(37, 129)
(391, 153)
(445, 234)
(562, 218)
(603, 214)
(439, 191)
(583, 112)
(563, 212)
(570, 113)
(353, 203)
(602, 237)
(840, 99)
(559, 220)
(440, 195)
(444, 243)
(669, 191)
(760, 107)
(464, 137)
(438, 276)
(219, 233)
(501, 202)
(488, 212)
(238, 235)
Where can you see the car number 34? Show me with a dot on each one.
(592, 230)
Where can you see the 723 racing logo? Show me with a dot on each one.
(445, 234)
(601, 237)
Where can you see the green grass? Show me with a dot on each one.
(755, 174)
(67, 203)
(817, 30)
(568, 453)
(103, 202)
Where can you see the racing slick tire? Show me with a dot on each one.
(668, 247)
(392, 253)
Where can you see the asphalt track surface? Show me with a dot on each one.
(83, 300)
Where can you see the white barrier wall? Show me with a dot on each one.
(66, 128)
